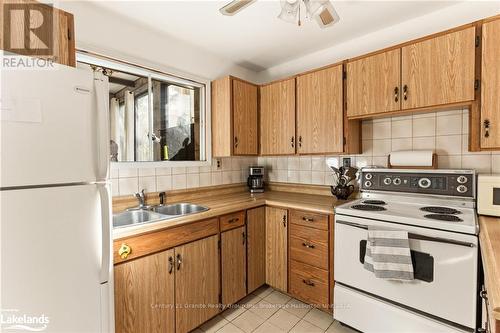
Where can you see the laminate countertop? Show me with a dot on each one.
(227, 203)
(489, 238)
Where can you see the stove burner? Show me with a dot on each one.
(443, 217)
(440, 210)
(374, 202)
(368, 207)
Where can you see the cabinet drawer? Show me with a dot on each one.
(231, 221)
(309, 246)
(313, 220)
(161, 240)
(309, 283)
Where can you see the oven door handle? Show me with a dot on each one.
(414, 236)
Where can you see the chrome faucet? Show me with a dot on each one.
(141, 197)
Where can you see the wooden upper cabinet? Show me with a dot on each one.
(373, 84)
(245, 118)
(320, 116)
(490, 85)
(277, 118)
(234, 117)
(439, 70)
(234, 265)
(58, 36)
(196, 282)
(141, 284)
(277, 248)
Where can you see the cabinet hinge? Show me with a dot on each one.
(344, 75)
(478, 41)
(344, 141)
(218, 244)
(476, 84)
(220, 298)
(69, 34)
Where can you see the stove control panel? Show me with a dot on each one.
(438, 183)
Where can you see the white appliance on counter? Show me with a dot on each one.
(437, 209)
(56, 263)
(488, 195)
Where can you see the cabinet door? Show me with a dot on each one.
(256, 247)
(234, 265)
(276, 247)
(438, 71)
(320, 116)
(196, 282)
(373, 84)
(277, 118)
(244, 118)
(144, 294)
(490, 85)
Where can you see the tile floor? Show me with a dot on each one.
(269, 311)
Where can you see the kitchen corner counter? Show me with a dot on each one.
(489, 238)
(227, 203)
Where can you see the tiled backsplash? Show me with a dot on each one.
(445, 132)
(126, 181)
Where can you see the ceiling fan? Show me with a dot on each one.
(321, 11)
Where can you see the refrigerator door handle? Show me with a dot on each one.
(102, 115)
(104, 275)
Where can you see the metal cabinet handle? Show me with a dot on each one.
(234, 219)
(235, 142)
(292, 141)
(307, 219)
(396, 94)
(486, 124)
(179, 261)
(405, 92)
(284, 220)
(309, 246)
(300, 141)
(308, 282)
(244, 237)
(170, 264)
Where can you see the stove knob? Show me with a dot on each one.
(462, 179)
(462, 188)
(397, 181)
(368, 176)
(387, 181)
(424, 182)
(368, 183)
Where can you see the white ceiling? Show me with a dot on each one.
(255, 38)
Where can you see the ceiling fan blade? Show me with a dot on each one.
(327, 16)
(235, 6)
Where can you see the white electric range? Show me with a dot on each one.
(437, 208)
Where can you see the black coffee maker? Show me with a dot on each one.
(255, 180)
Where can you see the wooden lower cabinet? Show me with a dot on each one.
(277, 248)
(234, 265)
(196, 283)
(163, 292)
(256, 248)
(144, 294)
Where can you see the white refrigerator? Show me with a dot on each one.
(55, 204)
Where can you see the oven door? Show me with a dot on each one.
(445, 265)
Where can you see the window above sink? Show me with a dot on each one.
(155, 118)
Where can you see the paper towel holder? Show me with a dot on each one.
(433, 166)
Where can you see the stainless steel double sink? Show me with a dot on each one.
(155, 213)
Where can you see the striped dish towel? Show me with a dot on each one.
(388, 254)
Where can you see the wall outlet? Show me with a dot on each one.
(218, 161)
(346, 162)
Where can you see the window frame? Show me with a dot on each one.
(182, 79)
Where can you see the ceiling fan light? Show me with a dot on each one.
(235, 6)
(289, 11)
